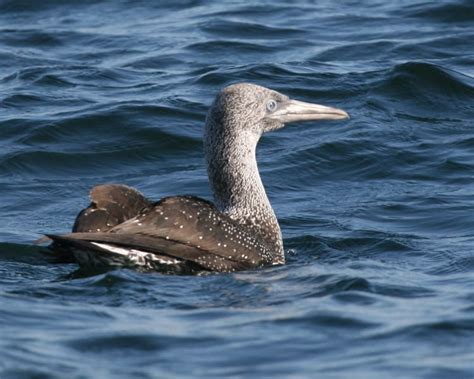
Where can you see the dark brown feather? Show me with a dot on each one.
(111, 204)
(187, 228)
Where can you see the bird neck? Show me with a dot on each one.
(236, 184)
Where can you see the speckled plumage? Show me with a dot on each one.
(234, 125)
(186, 234)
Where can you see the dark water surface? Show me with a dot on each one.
(377, 212)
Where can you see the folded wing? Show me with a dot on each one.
(183, 229)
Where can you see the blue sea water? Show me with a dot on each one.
(377, 213)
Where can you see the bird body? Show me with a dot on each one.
(186, 234)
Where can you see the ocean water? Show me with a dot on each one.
(377, 212)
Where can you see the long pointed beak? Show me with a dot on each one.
(294, 110)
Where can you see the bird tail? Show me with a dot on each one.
(106, 255)
(86, 253)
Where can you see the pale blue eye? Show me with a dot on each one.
(271, 105)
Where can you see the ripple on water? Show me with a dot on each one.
(376, 211)
(461, 12)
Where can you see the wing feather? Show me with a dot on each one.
(187, 228)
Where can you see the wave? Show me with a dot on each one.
(252, 31)
(461, 12)
(223, 47)
(412, 79)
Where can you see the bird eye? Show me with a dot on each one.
(271, 105)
